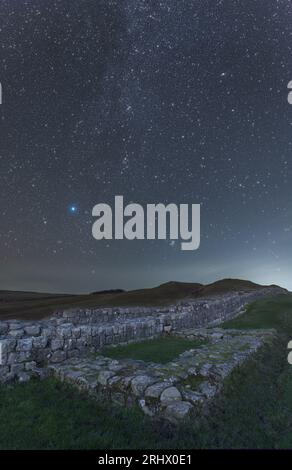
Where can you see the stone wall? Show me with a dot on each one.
(25, 347)
(181, 388)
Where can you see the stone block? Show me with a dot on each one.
(76, 332)
(24, 344)
(57, 344)
(23, 377)
(64, 331)
(16, 368)
(3, 328)
(154, 391)
(40, 341)
(7, 345)
(140, 383)
(178, 410)
(170, 395)
(58, 356)
(4, 370)
(30, 365)
(104, 376)
(32, 330)
(16, 334)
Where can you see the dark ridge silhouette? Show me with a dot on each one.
(108, 291)
(30, 305)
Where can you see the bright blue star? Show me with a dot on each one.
(73, 209)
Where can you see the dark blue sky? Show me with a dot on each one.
(173, 101)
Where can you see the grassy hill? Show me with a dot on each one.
(30, 305)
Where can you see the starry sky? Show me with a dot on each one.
(180, 101)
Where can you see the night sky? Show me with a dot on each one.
(180, 101)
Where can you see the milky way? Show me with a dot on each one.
(174, 101)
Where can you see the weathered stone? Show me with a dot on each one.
(113, 381)
(167, 329)
(24, 344)
(73, 353)
(207, 389)
(16, 368)
(17, 334)
(8, 378)
(32, 330)
(3, 328)
(146, 408)
(15, 325)
(65, 331)
(217, 335)
(41, 355)
(115, 366)
(154, 391)
(193, 397)
(3, 358)
(170, 395)
(57, 344)
(205, 370)
(125, 383)
(41, 373)
(4, 370)
(70, 343)
(103, 376)
(58, 356)
(7, 345)
(140, 383)
(30, 365)
(178, 410)
(74, 374)
(40, 341)
(24, 356)
(48, 332)
(23, 377)
(76, 332)
(12, 358)
(85, 330)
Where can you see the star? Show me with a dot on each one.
(73, 209)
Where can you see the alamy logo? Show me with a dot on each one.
(158, 221)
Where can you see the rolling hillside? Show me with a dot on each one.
(30, 305)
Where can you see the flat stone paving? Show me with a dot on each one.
(175, 390)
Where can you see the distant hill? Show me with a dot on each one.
(228, 285)
(30, 305)
(108, 291)
(12, 296)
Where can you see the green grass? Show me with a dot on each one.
(275, 312)
(254, 411)
(160, 350)
(51, 415)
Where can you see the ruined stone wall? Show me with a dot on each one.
(26, 346)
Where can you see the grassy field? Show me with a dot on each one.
(255, 410)
(161, 350)
(29, 305)
(273, 312)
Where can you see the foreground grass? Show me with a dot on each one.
(50, 415)
(161, 350)
(255, 410)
